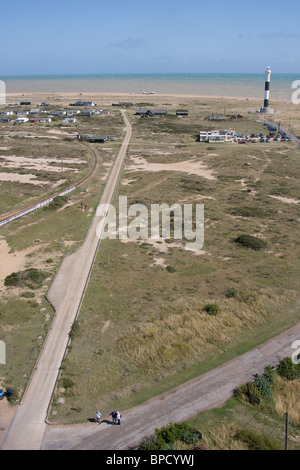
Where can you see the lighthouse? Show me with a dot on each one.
(266, 109)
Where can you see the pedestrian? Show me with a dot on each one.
(85, 207)
(113, 414)
(98, 417)
(81, 204)
(118, 417)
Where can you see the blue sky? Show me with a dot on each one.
(159, 36)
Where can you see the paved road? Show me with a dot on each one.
(207, 391)
(66, 293)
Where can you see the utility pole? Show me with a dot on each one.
(286, 430)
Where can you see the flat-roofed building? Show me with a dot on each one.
(97, 138)
(216, 136)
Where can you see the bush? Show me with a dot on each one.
(32, 278)
(263, 385)
(67, 382)
(165, 437)
(249, 241)
(212, 309)
(170, 269)
(232, 293)
(27, 295)
(57, 202)
(288, 369)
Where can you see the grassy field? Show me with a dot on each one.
(127, 348)
(143, 327)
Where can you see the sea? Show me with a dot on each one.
(208, 84)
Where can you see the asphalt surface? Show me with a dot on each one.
(28, 425)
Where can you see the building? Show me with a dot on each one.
(150, 112)
(86, 113)
(21, 120)
(215, 117)
(35, 111)
(58, 113)
(97, 138)
(4, 119)
(25, 103)
(72, 112)
(236, 117)
(69, 120)
(83, 103)
(42, 120)
(216, 136)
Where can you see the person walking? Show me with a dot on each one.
(118, 418)
(98, 417)
(113, 414)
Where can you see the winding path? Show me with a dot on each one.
(28, 425)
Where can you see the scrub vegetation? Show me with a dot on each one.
(155, 314)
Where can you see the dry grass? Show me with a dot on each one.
(191, 334)
(286, 397)
(223, 438)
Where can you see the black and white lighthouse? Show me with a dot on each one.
(266, 109)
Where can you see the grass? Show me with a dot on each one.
(160, 335)
(128, 348)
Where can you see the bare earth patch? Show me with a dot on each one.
(286, 200)
(190, 166)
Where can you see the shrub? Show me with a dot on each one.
(67, 382)
(263, 385)
(164, 438)
(57, 202)
(170, 269)
(249, 241)
(232, 293)
(212, 309)
(32, 278)
(288, 369)
(27, 295)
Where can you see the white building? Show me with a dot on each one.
(45, 119)
(216, 136)
(21, 120)
(68, 120)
